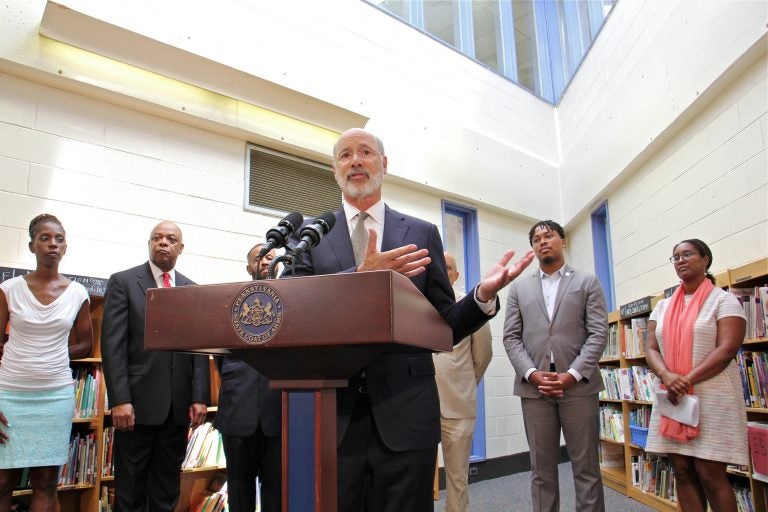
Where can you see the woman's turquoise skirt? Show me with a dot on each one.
(40, 424)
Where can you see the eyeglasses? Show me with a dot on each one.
(683, 256)
(363, 153)
(449, 268)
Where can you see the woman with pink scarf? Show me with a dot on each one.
(693, 338)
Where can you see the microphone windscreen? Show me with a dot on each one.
(329, 218)
(295, 219)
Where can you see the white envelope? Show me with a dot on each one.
(686, 411)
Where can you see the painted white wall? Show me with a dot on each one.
(111, 147)
(644, 75)
(709, 181)
(347, 54)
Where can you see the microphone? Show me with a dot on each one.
(276, 237)
(311, 234)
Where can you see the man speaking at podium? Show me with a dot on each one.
(389, 416)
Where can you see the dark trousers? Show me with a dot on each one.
(247, 458)
(147, 467)
(373, 478)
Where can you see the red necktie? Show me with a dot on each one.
(166, 280)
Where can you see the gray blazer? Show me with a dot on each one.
(576, 335)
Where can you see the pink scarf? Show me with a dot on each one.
(677, 333)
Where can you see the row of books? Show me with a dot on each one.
(753, 367)
(743, 499)
(754, 300)
(633, 383)
(654, 474)
(107, 499)
(640, 417)
(204, 448)
(634, 337)
(107, 442)
(80, 468)
(87, 390)
(612, 348)
(215, 502)
(215, 497)
(611, 423)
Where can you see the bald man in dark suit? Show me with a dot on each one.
(389, 416)
(155, 396)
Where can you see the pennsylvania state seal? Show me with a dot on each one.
(257, 313)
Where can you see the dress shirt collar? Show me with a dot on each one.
(543, 275)
(376, 212)
(157, 273)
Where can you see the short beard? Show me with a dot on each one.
(548, 260)
(361, 191)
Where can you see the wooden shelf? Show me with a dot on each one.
(203, 469)
(615, 478)
(752, 270)
(653, 501)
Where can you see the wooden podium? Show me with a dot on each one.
(303, 333)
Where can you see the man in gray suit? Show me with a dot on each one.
(554, 333)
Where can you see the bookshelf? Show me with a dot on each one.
(748, 277)
(92, 418)
(616, 364)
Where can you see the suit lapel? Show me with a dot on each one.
(565, 282)
(145, 279)
(339, 242)
(394, 229)
(538, 292)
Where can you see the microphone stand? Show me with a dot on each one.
(288, 258)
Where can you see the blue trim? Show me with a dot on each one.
(416, 13)
(546, 89)
(505, 41)
(463, 26)
(471, 278)
(601, 245)
(554, 43)
(595, 10)
(572, 36)
(551, 17)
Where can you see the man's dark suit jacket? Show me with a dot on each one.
(245, 401)
(401, 385)
(150, 380)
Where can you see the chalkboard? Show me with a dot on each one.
(635, 308)
(96, 286)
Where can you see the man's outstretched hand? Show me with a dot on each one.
(500, 275)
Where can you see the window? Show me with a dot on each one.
(601, 244)
(461, 238)
(282, 183)
(538, 44)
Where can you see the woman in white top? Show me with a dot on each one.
(37, 399)
(693, 338)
